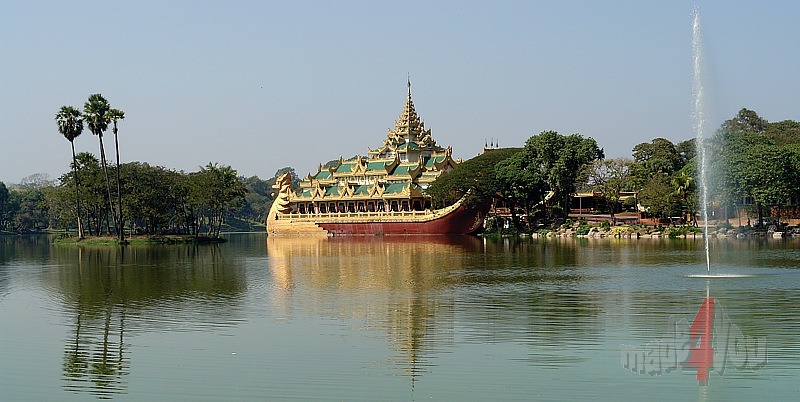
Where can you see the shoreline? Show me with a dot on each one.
(139, 240)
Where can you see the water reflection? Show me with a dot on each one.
(393, 283)
(415, 289)
(450, 318)
(113, 293)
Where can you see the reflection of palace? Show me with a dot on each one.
(417, 288)
(405, 277)
(382, 193)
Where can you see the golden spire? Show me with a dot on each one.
(409, 122)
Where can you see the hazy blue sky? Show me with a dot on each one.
(261, 85)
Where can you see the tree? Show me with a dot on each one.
(610, 177)
(258, 200)
(70, 125)
(29, 210)
(729, 161)
(93, 191)
(658, 156)
(656, 196)
(114, 115)
(684, 190)
(95, 113)
(216, 190)
(36, 181)
(560, 160)
(476, 177)
(687, 150)
(767, 175)
(521, 184)
(3, 206)
(292, 174)
(745, 121)
(784, 132)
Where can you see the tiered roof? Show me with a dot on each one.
(402, 167)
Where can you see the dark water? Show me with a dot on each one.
(393, 318)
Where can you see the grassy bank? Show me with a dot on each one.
(134, 240)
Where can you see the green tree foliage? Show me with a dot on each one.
(687, 150)
(657, 195)
(757, 160)
(658, 156)
(36, 181)
(684, 190)
(657, 172)
(258, 199)
(29, 209)
(784, 132)
(476, 176)
(93, 194)
(292, 174)
(610, 177)
(560, 160)
(157, 200)
(520, 184)
(4, 207)
(216, 190)
(745, 121)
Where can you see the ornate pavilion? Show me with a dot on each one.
(392, 177)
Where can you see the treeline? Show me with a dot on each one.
(146, 199)
(754, 170)
(156, 200)
(540, 177)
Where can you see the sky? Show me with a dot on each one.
(259, 85)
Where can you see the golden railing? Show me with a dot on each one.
(378, 216)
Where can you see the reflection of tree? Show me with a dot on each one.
(75, 360)
(87, 358)
(103, 285)
(19, 248)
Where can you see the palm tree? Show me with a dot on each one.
(95, 113)
(114, 115)
(683, 184)
(70, 125)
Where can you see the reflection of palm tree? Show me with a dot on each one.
(101, 367)
(75, 361)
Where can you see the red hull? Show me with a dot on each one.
(461, 221)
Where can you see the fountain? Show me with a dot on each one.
(699, 125)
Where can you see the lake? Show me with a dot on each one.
(400, 318)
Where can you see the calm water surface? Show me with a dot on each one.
(390, 318)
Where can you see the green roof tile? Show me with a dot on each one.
(345, 168)
(395, 188)
(376, 166)
(400, 170)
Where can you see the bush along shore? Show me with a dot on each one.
(66, 239)
(605, 229)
